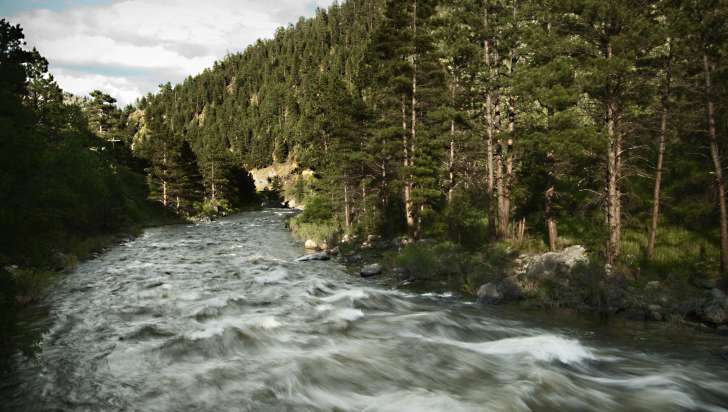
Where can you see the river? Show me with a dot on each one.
(219, 317)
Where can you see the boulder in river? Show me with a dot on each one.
(715, 312)
(315, 256)
(311, 244)
(489, 294)
(371, 270)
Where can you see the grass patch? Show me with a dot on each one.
(326, 231)
(679, 254)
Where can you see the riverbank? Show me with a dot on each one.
(566, 280)
(26, 280)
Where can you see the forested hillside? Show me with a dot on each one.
(557, 122)
(67, 177)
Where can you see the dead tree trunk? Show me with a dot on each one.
(664, 118)
(347, 208)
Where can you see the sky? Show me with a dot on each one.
(127, 48)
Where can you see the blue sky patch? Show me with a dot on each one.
(12, 7)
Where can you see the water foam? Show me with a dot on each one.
(351, 294)
(544, 348)
(275, 276)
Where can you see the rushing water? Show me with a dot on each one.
(220, 317)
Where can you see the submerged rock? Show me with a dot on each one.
(315, 256)
(371, 270)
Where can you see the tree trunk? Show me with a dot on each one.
(412, 224)
(409, 213)
(489, 128)
(212, 186)
(504, 212)
(347, 208)
(551, 226)
(499, 183)
(165, 195)
(660, 157)
(451, 160)
(519, 233)
(550, 194)
(715, 156)
(614, 201)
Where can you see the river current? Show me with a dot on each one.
(220, 316)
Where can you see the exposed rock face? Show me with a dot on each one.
(263, 177)
(371, 270)
(287, 174)
(311, 244)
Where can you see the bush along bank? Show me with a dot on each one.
(502, 274)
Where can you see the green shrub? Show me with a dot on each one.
(434, 261)
(27, 285)
(318, 210)
(319, 232)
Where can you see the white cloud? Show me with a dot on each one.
(166, 40)
(80, 83)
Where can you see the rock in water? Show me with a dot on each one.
(715, 313)
(489, 294)
(655, 312)
(371, 270)
(311, 244)
(315, 256)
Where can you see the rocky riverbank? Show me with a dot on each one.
(567, 279)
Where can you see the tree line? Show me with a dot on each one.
(476, 121)
(67, 173)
